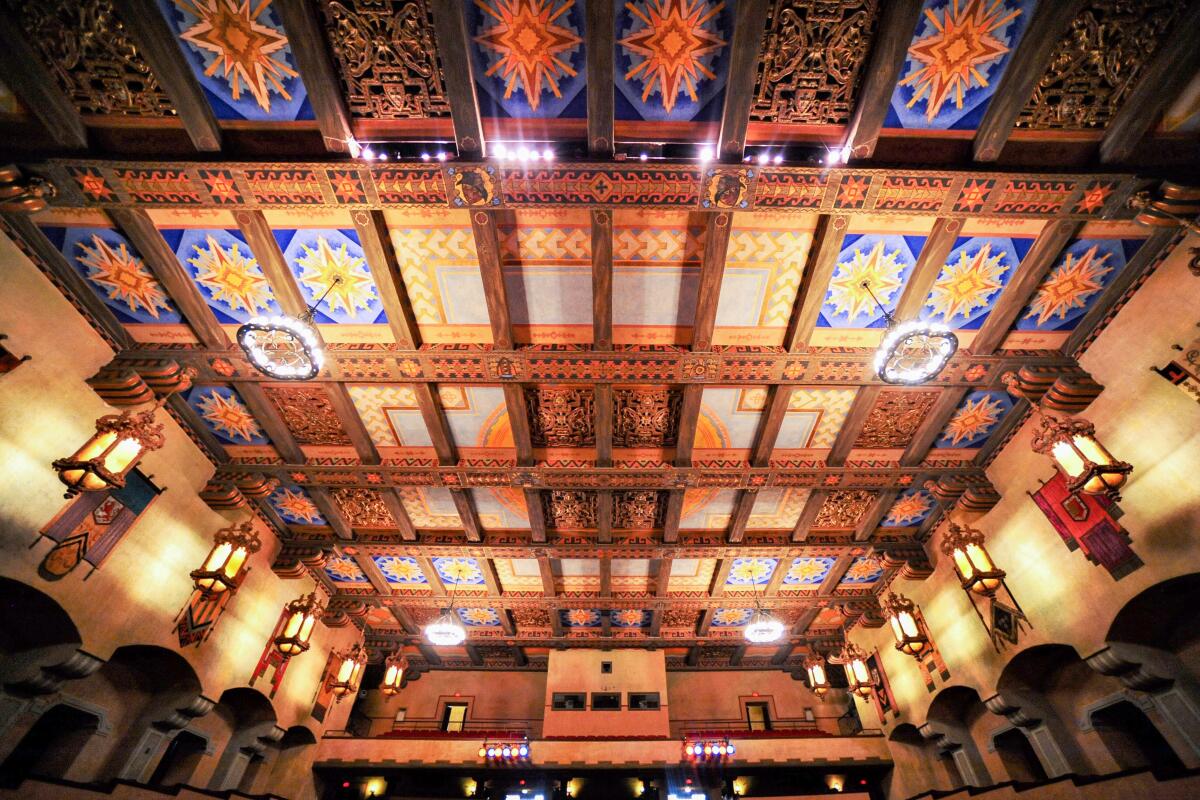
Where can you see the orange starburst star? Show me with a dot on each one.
(974, 418)
(952, 56)
(806, 570)
(878, 268)
(123, 276)
(294, 504)
(323, 266)
(529, 43)
(671, 44)
(245, 48)
(908, 508)
(233, 278)
(967, 283)
(1070, 285)
(863, 570)
(227, 415)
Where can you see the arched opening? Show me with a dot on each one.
(1162, 616)
(1019, 758)
(51, 746)
(248, 714)
(34, 631)
(180, 760)
(291, 768)
(254, 767)
(959, 712)
(1051, 683)
(1132, 739)
(916, 765)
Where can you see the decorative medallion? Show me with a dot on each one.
(363, 508)
(646, 417)
(894, 419)
(403, 570)
(566, 509)
(294, 506)
(309, 415)
(474, 186)
(638, 510)
(911, 508)
(223, 412)
(844, 509)
(561, 417)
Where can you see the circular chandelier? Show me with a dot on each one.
(913, 351)
(445, 631)
(763, 628)
(283, 347)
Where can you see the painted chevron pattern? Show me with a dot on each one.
(371, 402)
(658, 245)
(784, 254)
(419, 512)
(785, 506)
(420, 252)
(557, 244)
(835, 403)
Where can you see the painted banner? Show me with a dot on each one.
(1086, 522)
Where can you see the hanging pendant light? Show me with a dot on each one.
(283, 347)
(303, 613)
(222, 570)
(350, 667)
(976, 571)
(1079, 455)
(393, 673)
(446, 630)
(818, 678)
(912, 352)
(858, 674)
(902, 614)
(763, 628)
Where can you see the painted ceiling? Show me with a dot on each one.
(641, 458)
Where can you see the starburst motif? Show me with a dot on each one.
(751, 570)
(227, 415)
(863, 570)
(456, 571)
(878, 268)
(123, 277)
(909, 508)
(344, 570)
(581, 617)
(628, 618)
(967, 284)
(478, 616)
(807, 571)
(246, 51)
(529, 43)
(233, 278)
(731, 616)
(294, 504)
(320, 268)
(1070, 285)
(953, 56)
(973, 419)
(400, 569)
(672, 44)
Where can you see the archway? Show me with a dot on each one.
(249, 716)
(960, 714)
(1162, 616)
(291, 770)
(35, 631)
(51, 747)
(179, 761)
(1018, 756)
(917, 766)
(1132, 739)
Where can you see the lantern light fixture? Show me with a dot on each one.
(222, 570)
(393, 673)
(858, 674)
(976, 570)
(902, 614)
(446, 630)
(912, 352)
(1079, 455)
(349, 673)
(818, 678)
(283, 347)
(302, 615)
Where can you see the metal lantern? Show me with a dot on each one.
(349, 673)
(1086, 463)
(818, 678)
(105, 459)
(394, 669)
(858, 674)
(902, 614)
(302, 615)
(974, 566)
(232, 547)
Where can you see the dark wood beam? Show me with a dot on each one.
(689, 418)
(778, 398)
(933, 424)
(487, 248)
(430, 406)
(835, 574)
(599, 47)
(537, 515)
(556, 625)
(473, 655)
(672, 516)
(712, 269)
(716, 587)
(818, 270)
(864, 401)
(603, 401)
(1164, 79)
(897, 23)
(431, 575)
(161, 260)
(604, 516)
(1033, 268)
(999, 436)
(701, 631)
(735, 658)
(343, 406)
(330, 511)
(1027, 66)
(519, 657)
(606, 577)
(488, 570)
(395, 504)
(466, 512)
(367, 565)
(602, 275)
(518, 417)
(750, 21)
(547, 571)
(272, 423)
(662, 577)
(782, 654)
(742, 508)
(655, 622)
(149, 30)
(875, 514)
(385, 270)
(257, 232)
(307, 39)
(404, 620)
(805, 619)
(937, 246)
(450, 28)
(427, 651)
(812, 507)
(35, 87)
(776, 579)
(216, 451)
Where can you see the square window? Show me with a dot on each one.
(606, 667)
(606, 701)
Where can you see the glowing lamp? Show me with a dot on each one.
(445, 631)
(1086, 463)
(523, 751)
(858, 674)
(222, 570)
(283, 347)
(818, 679)
(483, 752)
(393, 674)
(115, 448)
(902, 614)
(763, 627)
(976, 571)
(913, 351)
(302, 615)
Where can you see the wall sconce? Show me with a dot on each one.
(818, 678)
(115, 448)
(858, 674)
(976, 571)
(394, 668)
(902, 614)
(349, 673)
(302, 614)
(224, 568)
(1087, 464)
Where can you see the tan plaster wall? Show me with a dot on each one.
(632, 671)
(718, 700)
(494, 700)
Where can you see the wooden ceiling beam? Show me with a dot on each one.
(603, 402)
(149, 30)
(818, 270)
(701, 631)
(749, 24)
(932, 258)
(712, 269)
(431, 575)
(404, 620)
(33, 84)
(367, 564)
(450, 29)
(933, 424)
(272, 423)
(769, 423)
(735, 658)
(473, 655)
(395, 505)
(743, 506)
(158, 256)
(805, 619)
(518, 417)
(434, 417)
(860, 409)
(662, 576)
(330, 511)
(1029, 63)
(1163, 81)
(655, 622)
(897, 23)
(604, 516)
(875, 514)
(606, 577)
(816, 499)
(547, 571)
(602, 275)
(491, 270)
(672, 517)
(215, 450)
(376, 242)
(306, 36)
(776, 579)
(537, 515)
(716, 587)
(465, 505)
(782, 654)
(836, 572)
(347, 414)
(599, 47)
(257, 232)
